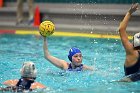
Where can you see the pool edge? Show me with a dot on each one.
(61, 33)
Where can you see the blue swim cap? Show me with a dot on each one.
(72, 52)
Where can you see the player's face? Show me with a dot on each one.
(77, 59)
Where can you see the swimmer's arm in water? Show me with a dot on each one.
(122, 29)
(9, 88)
(10, 82)
(125, 80)
(12, 89)
(55, 61)
(85, 67)
(37, 85)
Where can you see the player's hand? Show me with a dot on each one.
(133, 8)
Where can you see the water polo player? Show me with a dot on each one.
(26, 82)
(75, 56)
(132, 61)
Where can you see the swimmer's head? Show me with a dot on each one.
(28, 70)
(72, 52)
(136, 40)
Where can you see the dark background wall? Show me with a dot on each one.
(83, 1)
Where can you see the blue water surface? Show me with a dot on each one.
(106, 56)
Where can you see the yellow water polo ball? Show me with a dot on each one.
(46, 28)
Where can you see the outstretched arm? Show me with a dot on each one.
(88, 68)
(122, 29)
(55, 61)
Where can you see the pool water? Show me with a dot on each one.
(105, 55)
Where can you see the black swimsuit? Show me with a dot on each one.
(24, 84)
(133, 69)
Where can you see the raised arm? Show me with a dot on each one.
(122, 29)
(55, 61)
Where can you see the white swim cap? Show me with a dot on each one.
(28, 70)
(136, 40)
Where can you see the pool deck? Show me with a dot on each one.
(78, 18)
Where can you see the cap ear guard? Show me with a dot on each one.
(70, 58)
(136, 40)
